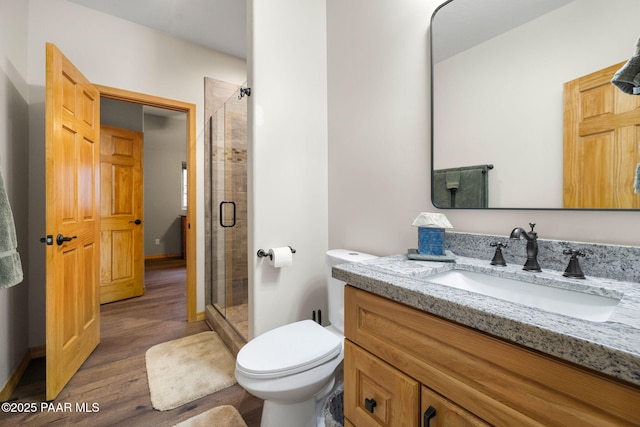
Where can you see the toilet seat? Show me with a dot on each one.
(288, 350)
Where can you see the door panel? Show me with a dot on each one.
(72, 195)
(121, 207)
(601, 137)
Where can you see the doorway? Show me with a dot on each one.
(190, 137)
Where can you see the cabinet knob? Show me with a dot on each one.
(428, 414)
(370, 404)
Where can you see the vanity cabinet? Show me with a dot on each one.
(401, 362)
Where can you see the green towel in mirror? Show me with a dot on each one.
(463, 187)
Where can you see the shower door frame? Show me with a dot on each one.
(222, 199)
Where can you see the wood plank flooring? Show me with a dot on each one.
(114, 376)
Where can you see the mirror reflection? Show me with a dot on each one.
(501, 70)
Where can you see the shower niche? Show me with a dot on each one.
(225, 141)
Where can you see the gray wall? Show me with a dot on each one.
(14, 137)
(120, 114)
(165, 149)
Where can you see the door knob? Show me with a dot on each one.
(60, 239)
(136, 222)
(48, 239)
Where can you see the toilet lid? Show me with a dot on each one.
(287, 350)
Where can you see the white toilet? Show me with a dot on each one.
(293, 367)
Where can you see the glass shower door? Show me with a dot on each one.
(229, 269)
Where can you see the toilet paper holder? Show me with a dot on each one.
(265, 254)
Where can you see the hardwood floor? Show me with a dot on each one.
(113, 380)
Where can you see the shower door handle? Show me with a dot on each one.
(220, 216)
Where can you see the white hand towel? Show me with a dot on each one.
(10, 265)
(627, 78)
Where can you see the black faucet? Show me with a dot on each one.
(532, 246)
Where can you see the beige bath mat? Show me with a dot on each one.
(187, 369)
(226, 416)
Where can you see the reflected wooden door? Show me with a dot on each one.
(601, 137)
(121, 213)
(72, 219)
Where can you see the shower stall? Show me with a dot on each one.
(226, 269)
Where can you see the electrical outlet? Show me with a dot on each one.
(158, 242)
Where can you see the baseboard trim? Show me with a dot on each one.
(162, 256)
(38, 352)
(13, 381)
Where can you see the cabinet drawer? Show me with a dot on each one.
(447, 413)
(375, 393)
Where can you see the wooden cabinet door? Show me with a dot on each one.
(376, 394)
(447, 413)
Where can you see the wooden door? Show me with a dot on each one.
(601, 137)
(72, 219)
(121, 214)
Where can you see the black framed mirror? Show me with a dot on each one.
(498, 70)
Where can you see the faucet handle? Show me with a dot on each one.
(573, 253)
(532, 224)
(498, 259)
(573, 269)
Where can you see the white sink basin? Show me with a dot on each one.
(596, 308)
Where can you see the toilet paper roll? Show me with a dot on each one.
(281, 257)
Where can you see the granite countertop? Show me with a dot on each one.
(611, 347)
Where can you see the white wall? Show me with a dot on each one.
(14, 134)
(520, 76)
(112, 52)
(378, 122)
(378, 139)
(287, 121)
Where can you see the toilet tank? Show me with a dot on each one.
(335, 287)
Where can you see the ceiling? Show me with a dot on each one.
(215, 24)
(462, 24)
(221, 24)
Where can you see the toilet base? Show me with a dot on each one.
(298, 414)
